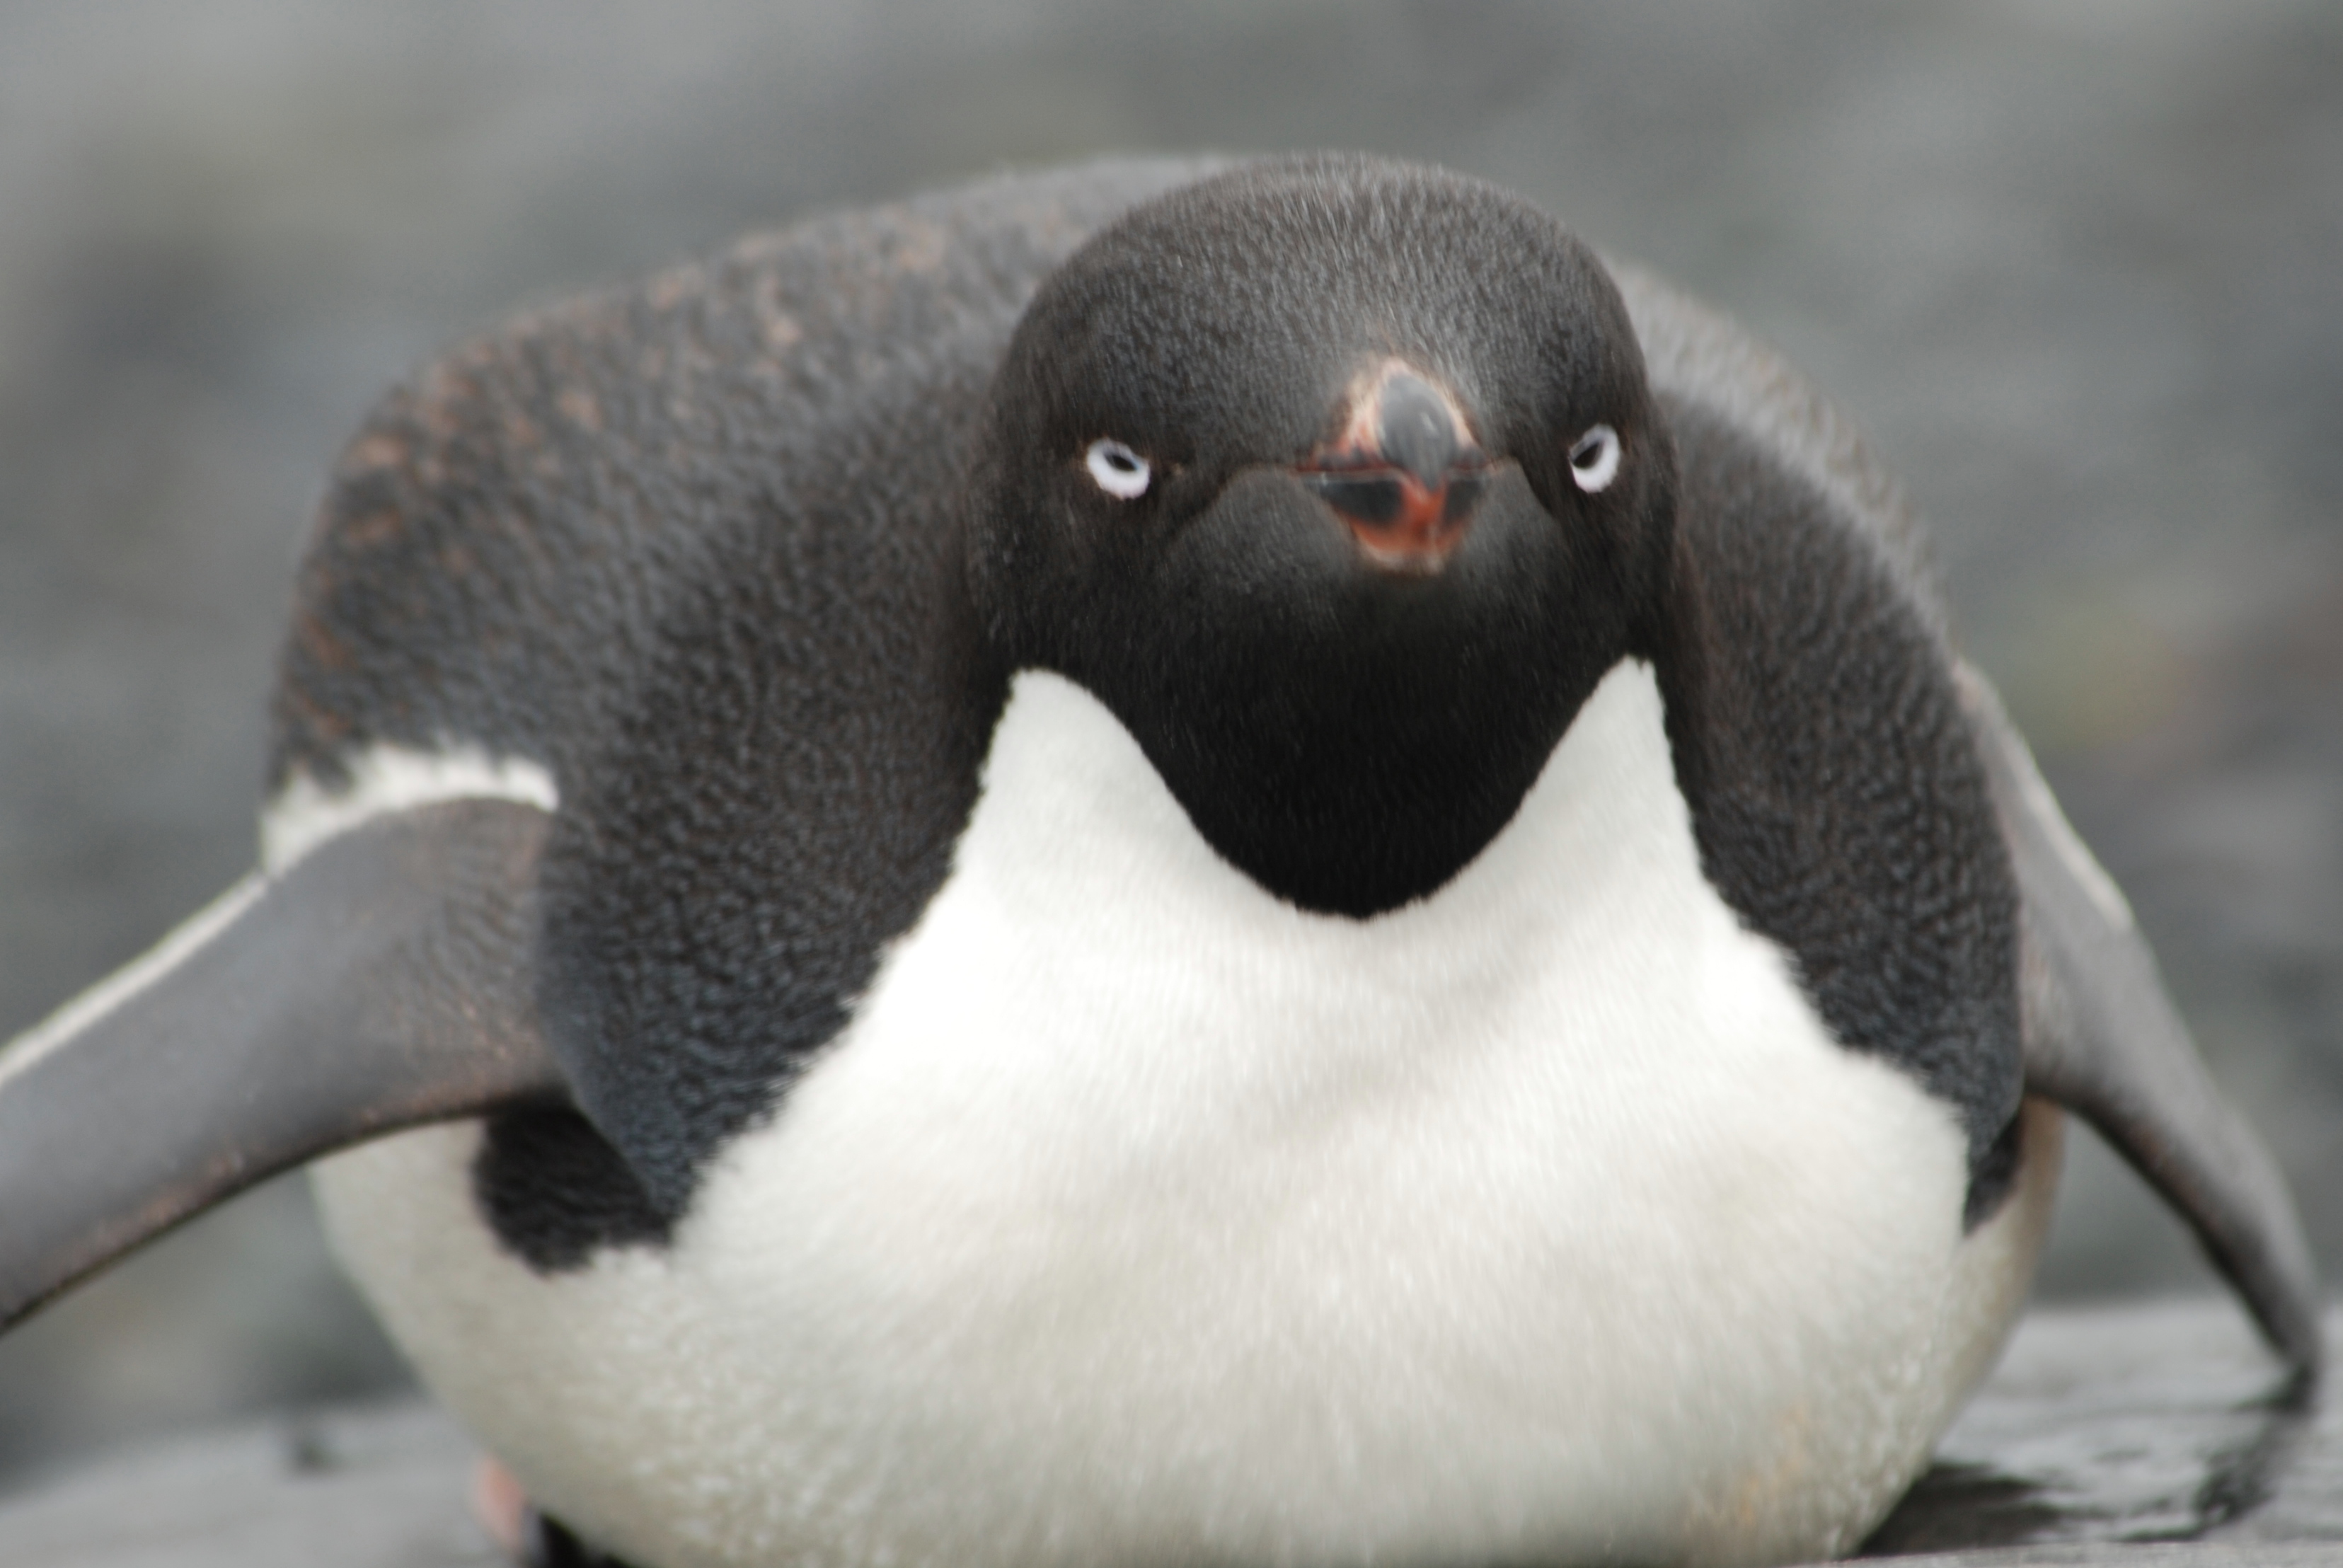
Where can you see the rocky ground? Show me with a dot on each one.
(2073, 265)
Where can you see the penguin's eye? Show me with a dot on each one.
(1119, 471)
(1593, 458)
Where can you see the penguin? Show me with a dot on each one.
(1149, 864)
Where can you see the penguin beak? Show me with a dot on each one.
(1405, 475)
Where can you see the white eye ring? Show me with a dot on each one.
(1593, 458)
(1119, 471)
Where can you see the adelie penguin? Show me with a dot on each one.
(1147, 866)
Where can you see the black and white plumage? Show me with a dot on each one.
(1142, 865)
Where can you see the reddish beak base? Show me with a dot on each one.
(1403, 472)
(1402, 524)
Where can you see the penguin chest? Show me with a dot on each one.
(1138, 1216)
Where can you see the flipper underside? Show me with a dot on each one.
(2104, 1038)
(386, 979)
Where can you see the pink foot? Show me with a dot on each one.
(528, 1538)
(502, 1508)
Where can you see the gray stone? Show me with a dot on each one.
(361, 1488)
(2105, 1429)
(2103, 1555)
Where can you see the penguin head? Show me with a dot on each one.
(1340, 484)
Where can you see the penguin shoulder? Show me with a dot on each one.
(505, 534)
(1833, 778)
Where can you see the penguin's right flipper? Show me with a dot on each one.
(2103, 1039)
(385, 980)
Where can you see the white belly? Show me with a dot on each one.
(1140, 1218)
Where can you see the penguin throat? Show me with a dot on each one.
(1344, 813)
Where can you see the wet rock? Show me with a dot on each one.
(2107, 1430)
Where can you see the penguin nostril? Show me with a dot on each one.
(1399, 522)
(1365, 497)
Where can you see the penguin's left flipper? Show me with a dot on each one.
(2104, 1040)
(385, 980)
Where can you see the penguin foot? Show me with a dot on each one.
(529, 1538)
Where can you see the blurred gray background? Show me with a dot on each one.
(2076, 265)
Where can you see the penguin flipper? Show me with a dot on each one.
(2104, 1040)
(386, 979)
